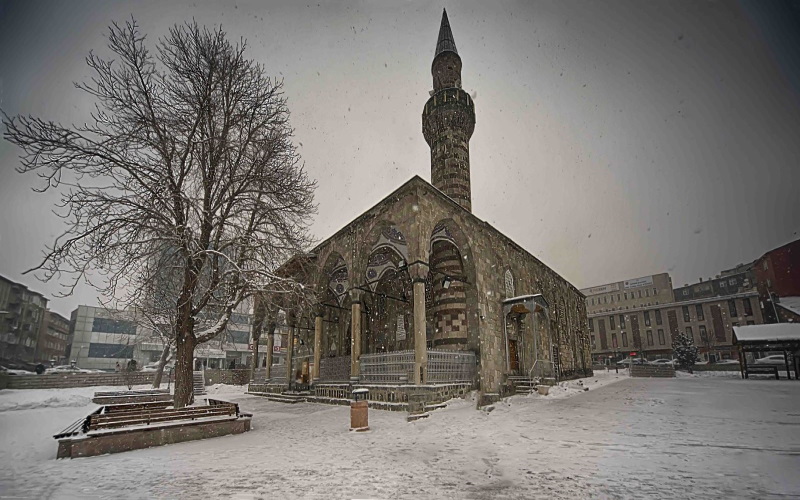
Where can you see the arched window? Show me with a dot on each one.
(509, 284)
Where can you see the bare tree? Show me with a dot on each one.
(188, 159)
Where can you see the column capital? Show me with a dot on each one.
(356, 295)
(418, 271)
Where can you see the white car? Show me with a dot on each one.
(663, 362)
(775, 359)
(152, 367)
(70, 369)
(12, 371)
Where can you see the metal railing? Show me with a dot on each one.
(398, 367)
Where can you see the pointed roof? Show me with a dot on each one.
(446, 42)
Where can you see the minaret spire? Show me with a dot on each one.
(448, 121)
(446, 41)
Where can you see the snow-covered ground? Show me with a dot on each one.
(693, 437)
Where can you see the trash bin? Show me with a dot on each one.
(359, 418)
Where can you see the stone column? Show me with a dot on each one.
(270, 346)
(355, 335)
(289, 354)
(317, 345)
(418, 274)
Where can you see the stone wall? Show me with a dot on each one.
(232, 377)
(62, 380)
(652, 371)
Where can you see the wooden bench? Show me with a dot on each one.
(148, 417)
(123, 397)
(762, 370)
(117, 428)
(133, 407)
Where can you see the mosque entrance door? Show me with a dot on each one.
(513, 357)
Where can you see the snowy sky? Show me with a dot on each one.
(613, 139)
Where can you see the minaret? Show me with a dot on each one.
(448, 121)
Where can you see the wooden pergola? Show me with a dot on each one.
(781, 337)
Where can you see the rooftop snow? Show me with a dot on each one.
(790, 303)
(777, 331)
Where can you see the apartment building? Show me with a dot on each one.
(51, 346)
(21, 314)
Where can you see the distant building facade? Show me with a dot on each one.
(53, 336)
(100, 338)
(707, 311)
(21, 314)
(777, 274)
(629, 294)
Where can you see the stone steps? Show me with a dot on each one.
(198, 384)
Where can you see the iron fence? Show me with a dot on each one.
(397, 367)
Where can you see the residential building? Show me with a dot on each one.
(21, 314)
(777, 274)
(629, 294)
(51, 346)
(648, 331)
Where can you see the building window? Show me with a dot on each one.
(622, 321)
(614, 340)
(611, 322)
(765, 265)
(722, 284)
(649, 337)
(655, 291)
(617, 297)
(98, 350)
(689, 331)
(647, 318)
(624, 339)
(748, 307)
(698, 309)
(661, 337)
(647, 292)
(591, 324)
(732, 308)
(106, 325)
(658, 317)
(703, 333)
(509, 278)
(640, 294)
(605, 299)
(625, 294)
(686, 313)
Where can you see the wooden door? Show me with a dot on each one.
(513, 358)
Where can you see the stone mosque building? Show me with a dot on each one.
(418, 293)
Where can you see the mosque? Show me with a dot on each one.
(418, 294)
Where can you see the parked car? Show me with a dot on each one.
(634, 361)
(775, 359)
(70, 369)
(12, 371)
(663, 362)
(151, 367)
(728, 362)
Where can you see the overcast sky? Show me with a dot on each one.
(613, 139)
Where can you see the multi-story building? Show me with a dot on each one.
(777, 274)
(727, 283)
(648, 330)
(51, 346)
(21, 314)
(100, 338)
(629, 294)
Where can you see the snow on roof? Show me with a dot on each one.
(790, 303)
(772, 332)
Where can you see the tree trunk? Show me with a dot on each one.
(184, 371)
(161, 362)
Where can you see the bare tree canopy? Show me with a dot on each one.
(186, 174)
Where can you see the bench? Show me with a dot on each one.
(132, 407)
(761, 370)
(148, 417)
(116, 428)
(122, 397)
